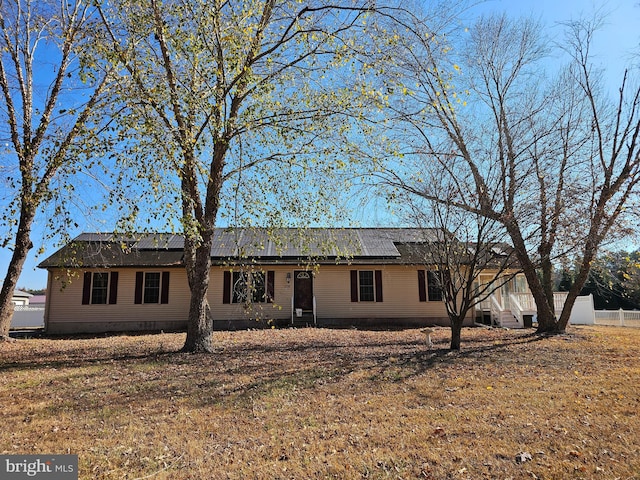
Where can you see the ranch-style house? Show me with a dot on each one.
(259, 277)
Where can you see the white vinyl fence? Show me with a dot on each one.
(28, 316)
(583, 313)
(618, 318)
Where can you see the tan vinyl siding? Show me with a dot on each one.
(279, 309)
(331, 287)
(400, 293)
(65, 312)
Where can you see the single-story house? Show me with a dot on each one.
(259, 277)
(21, 298)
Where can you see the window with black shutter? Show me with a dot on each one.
(248, 287)
(152, 287)
(100, 288)
(366, 286)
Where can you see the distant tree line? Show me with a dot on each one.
(614, 281)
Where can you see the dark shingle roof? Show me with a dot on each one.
(95, 251)
(283, 245)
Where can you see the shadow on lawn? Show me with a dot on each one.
(417, 350)
(242, 372)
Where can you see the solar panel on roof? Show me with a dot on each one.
(94, 237)
(313, 242)
(160, 240)
(284, 242)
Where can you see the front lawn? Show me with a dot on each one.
(321, 403)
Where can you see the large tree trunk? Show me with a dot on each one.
(197, 252)
(456, 331)
(542, 296)
(199, 323)
(22, 247)
(546, 314)
(576, 288)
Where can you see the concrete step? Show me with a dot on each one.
(507, 320)
(306, 320)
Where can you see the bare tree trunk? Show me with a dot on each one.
(544, 306)
(199, 323)
(576, 288)
(197, 253)
(22, 247)
(456, 331)
(542, 296)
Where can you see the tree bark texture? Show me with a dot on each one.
(456, 333)
(198, 265)
(200, 324)
(22, 247)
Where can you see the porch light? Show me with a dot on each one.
(288, 277)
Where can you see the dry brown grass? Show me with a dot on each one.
(318, 403)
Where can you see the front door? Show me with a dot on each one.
(302, 290)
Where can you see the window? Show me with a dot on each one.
(520, 284)
(242, 287)
(100, 288)
(366, 285)
(258, 287)
(152, 287)
(434, 286)
(367, 293)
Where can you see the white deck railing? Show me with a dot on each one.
(496, 309)
(516, 308)
(315, 320)
(525, 301)
(527, 304)
(522, 304)
(558, 301)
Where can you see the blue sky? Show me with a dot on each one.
(614, 42)
(613, 47)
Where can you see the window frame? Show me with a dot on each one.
(142, 288)
(249, 287)
(366, 289)
(357, 286)
(151, 290)
(435, 290)
(109, 291)
(103, 289)
(239, 287)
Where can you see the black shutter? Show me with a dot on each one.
(422, 285)
(378, 281)
(113, 288)
(86, 289)
(138, 291)
(354, 285)
(271, 275)
(226, 287)
(164, 294)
